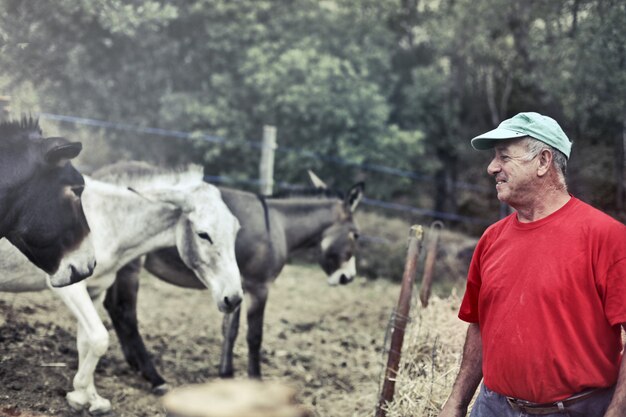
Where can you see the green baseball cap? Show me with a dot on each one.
(536, 125)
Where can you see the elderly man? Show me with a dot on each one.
(546, 290)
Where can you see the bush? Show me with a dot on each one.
(382, 246)
(383, 249)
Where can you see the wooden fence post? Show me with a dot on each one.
(266, 167)
(429, 263)
(401, 317)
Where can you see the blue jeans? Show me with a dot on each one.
(492, 404)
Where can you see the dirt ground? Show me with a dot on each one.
(326, 342)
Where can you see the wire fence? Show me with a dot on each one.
(284, 149)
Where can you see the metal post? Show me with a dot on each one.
(266, 168)
(401, 318)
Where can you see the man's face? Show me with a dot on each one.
(515, 175)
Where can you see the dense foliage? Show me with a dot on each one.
(396, 83)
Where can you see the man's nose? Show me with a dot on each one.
(493, 168)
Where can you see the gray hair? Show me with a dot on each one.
(534, 147)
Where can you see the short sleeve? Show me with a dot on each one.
(615, 300)
(469, 306)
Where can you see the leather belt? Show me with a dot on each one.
(551, 408)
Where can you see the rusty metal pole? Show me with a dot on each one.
(429, 264)
(416, 234)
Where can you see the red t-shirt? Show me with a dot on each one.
(549, 297)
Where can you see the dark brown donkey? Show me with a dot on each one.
(271, 228)
(40, 208)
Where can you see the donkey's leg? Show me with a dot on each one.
(256, 311)
(230, 329)
(92, 342)
(93, 347)
(121, 304)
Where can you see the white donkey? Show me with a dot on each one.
(153, 210)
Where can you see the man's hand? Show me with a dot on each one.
(469, 375)
(617, 407)
(453, 410)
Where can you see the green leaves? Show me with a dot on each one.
(403, 84)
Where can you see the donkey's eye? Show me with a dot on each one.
(77, 190)
(205, 236)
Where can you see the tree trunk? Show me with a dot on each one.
(445, 182)
(491, 97)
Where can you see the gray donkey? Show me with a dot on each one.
(271, 229)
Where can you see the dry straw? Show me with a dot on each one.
(430, 359)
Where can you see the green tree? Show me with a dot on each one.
(362, 83)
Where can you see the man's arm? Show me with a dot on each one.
(469, 375)
(617, 407)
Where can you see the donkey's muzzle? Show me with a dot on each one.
(344, 279)
(231, 303)
(77, 276)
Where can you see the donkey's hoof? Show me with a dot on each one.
(161, 389)
(77, 400)
(100, 406)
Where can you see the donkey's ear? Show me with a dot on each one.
(57, 150)
(316, 181)
(355, 195)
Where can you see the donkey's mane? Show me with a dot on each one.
(14, 130)
(308, 192)
(142, 176)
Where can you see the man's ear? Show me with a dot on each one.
(545, 162)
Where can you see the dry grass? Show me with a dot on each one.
(325, 342)
(430, 358)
